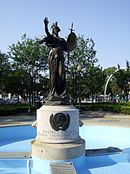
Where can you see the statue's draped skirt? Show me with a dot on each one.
(57, 71)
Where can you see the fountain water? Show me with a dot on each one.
(15, 152)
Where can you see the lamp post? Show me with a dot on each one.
(105, 89)
(109, 78)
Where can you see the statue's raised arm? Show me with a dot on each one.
(46, 26)
(45, 39)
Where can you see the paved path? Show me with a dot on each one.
(88, 118)
(103, 118)
(22, 119)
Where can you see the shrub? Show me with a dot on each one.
(117, 107)
(14, 109)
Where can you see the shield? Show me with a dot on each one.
(71, 41)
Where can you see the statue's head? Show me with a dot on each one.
(55, 28)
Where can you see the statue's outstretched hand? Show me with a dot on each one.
(46, 21)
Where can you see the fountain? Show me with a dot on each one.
(57, 143)
(57, 120)
(108, 151)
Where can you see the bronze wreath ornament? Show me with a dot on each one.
(59, 121)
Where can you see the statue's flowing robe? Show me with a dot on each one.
(56, 64)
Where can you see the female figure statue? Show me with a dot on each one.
(56, 59)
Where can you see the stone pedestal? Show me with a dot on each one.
(58, 133)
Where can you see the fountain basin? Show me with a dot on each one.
(15, 151)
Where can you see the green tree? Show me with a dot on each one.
(94, 81)
(83, 74)
(16, 83)
(110, 70)
(4, 69)
(122, 78)
(30, 57)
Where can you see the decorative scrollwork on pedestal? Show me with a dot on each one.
(59, 121)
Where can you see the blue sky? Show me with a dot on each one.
(107, 22)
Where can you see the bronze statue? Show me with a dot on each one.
(56, 60)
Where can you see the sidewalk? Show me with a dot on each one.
(22, 119)
(101, 118)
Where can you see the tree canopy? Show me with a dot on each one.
(24, 71)
(83, 72)
(29, 62)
